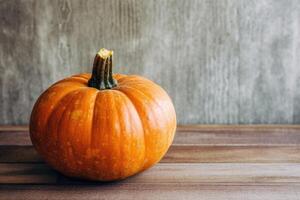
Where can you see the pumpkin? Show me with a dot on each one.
(103, 126)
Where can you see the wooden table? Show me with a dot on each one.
(204, 162)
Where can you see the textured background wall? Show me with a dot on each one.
(229, 61)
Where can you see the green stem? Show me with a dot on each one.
(102, 76)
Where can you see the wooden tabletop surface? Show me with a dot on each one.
(205, 162)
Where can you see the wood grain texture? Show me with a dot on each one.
(26, 174)
(223, 62)
(186, 154)
(193, 144)
(151, 191)
(206, 162)
(229, 154)
(193, 135)
(202, 174)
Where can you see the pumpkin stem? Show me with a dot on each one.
(102, 76)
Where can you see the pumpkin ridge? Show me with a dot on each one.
(134, 79)
(93, 118)
(46, 132)
(70, 95)
(54, 107)
(69, 106)
(76, 125)
(155, 86)
(141, 92)
(141, 122)
(162, 110)
(119, 76)
(72, 79)
(73, 96)
(85, 76)
(61, 99)
(144, 137)
(121, 161)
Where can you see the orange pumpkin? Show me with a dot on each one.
(102, 126)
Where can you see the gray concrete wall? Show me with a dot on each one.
(221, 61)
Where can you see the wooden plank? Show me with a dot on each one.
(27, 173)
(193, 127)
(230, 153)
(204, 134)
(15, 138)
(208, 173)
(240, 127)
(14, 128)
(205, 144)
(204, 174)
(188, 154)
(15, 154)
(237, 135)
(149, 191)
(215, 162)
